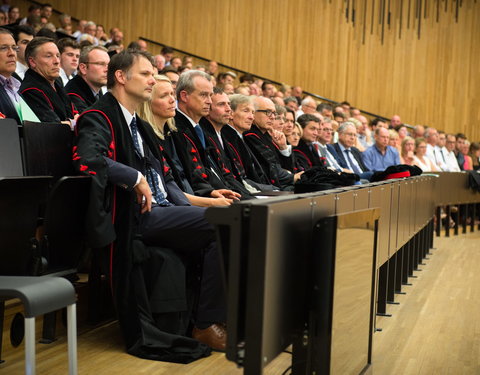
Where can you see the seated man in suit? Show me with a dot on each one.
(9, 97)
(263, 140)
(306, 154)
(86, 87)
(346, 155)
(134, 194)
(245, 164)
(194, 95)
(11, 104)
(380, 156)
(39, 89)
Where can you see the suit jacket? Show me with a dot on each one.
(265, 151)
(338, 155)
(49, 104)
(7, 107)
(80, 93)
(305, 158)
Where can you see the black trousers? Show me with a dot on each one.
(184, 229)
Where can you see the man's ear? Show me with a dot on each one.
(183, 96)
(82, 67)
(31, 62)
(120, 76)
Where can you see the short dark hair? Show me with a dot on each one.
(34, 44)
(22, 29)
(461, 136)
(169, 69)
(46, 32)
(166, 50)
(67, 42)
(247, 78)
(304, 119)
(218, 90)
(123, 61)
(33, 7)
(265, 83)
(323, 106)
(133, 45)
(338, 114)
(376, 120)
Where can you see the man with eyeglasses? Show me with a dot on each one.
(9, 97)
(269, 146)
(86, 87)
(348, 156)
(40, 89)
(449, 152)
(69, 54)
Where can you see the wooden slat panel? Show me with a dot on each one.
(432, 80)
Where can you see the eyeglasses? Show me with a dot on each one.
(268, 112)
(350, 134)
(99, 63)
(326, 130)
(5, 48)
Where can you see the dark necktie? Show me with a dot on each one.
(153, 178)
(201, 136)
(355, 169)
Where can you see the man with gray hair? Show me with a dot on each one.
(194, 95)
(309, 106)
(159, 61)
(86, 87)
(434, 152)
(380, 156)
(348, 156)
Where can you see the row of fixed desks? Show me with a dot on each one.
(406, 206)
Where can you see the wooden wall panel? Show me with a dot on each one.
(379, 67)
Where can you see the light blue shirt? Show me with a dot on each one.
(376, 161)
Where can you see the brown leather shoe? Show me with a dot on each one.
(214, 336)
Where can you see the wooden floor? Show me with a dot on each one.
(434, 330)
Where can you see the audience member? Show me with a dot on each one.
(194, 91)
(395, 121)
(348, 156)
(325, 110)
(306, 152)
(418, 131)
(172, 75)
(40, 89)
(380, 156)
(459, 145)
(212, 67)
(408, 151)
(420, 158)
(69, 55)
(161, 209)
(468, 162)
(86, 87)
(268, 89)
(394, 140)
(14, 15)
(159, 61)
(22, 35)
(474, 153)
(33, 11)
(291, 102)
(309, 106)
(289, 122)
(294, 137)
(449, 153)
(270, 147)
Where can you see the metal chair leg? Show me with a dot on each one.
(72, 338)
(30, 346)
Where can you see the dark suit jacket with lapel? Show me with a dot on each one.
(218, 156)
(265, 151)
(305, 158)
(49, 104)
(80, 93)
(338, 155)
(6, 106)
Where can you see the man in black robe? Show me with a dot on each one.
(194, 91)
(45, 96)
(306, 155)
(118, 150)
(86, 87)
(264, 142)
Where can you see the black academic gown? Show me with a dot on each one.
(217, 155)
(305, 157)
(80, 93)
(265, 151)
(202, 173)
(48, 103)
(112, 218)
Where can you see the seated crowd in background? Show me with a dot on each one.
(218, 138)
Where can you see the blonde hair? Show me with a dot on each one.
(146, 113)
